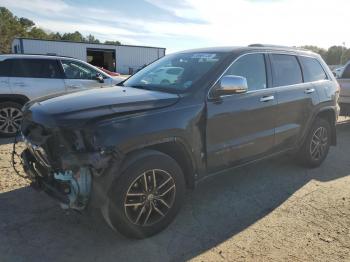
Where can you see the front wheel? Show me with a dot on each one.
(147, 196)
(316, 145)
(10, 118)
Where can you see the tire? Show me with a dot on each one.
(312, 154)
(10, 118)
(125, 211)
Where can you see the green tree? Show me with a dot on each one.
(112, 42)
(26, 23)
(346, 56)
(321, 51)
(91, 39)
(75, 37)
(38, 33)
(334, 55)
(10, 27)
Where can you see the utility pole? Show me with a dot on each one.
(342, 54)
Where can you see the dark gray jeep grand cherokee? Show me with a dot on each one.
(132, 150)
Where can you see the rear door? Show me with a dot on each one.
(240, 127)
(5, 69)
(79, 76)
(36, 77)
(296, 100)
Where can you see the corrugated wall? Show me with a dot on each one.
(127, 57)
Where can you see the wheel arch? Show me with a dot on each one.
(329, 114)
(174, 147)
(20, 99)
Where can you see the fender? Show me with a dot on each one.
(312, 119)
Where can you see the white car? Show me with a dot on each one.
(26, 77)
(165, 75)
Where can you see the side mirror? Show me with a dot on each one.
(231, 84)
(99, 78)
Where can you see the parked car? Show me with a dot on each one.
(132, 151)
(26, 77)
(166, 75)
(338, 71)
(108, 72)
(344, 82)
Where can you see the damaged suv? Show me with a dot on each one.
(132, 150)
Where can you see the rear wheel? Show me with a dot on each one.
(147, 196)
(10, 118)
(316, 145)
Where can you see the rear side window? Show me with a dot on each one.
(5, 67)
(35, 68)
(252, 67)
(312, 69)
(285, 70)
(346, 72)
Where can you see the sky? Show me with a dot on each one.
(185, 24)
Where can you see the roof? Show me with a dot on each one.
(255, 47)
(66, 41)
(6, 56)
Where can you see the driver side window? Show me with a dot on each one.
(76, 70)
(252, 67)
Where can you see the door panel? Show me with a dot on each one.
(79, 76)
(239, 128)
(5, 85)
(35, 77)
(36, 87)
(295, 107)
(296, 100)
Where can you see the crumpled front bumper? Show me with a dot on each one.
(71, 189)
(41, 179)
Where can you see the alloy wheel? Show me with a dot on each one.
(319, 143)
(150, 197)
(10, 120)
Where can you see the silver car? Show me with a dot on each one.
(26, 77)
(344, 83)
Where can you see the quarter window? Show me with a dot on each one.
(77, 70)
(252, 67)
(285, 70)
(35, 68)
(312, 69)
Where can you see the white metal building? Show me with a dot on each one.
(124, 59)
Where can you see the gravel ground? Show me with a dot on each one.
(270, 211)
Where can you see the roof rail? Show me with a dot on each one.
(268, 45)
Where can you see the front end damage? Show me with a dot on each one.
(62, 165)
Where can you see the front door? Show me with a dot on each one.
(240, 127)
(79, 76)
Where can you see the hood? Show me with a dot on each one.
(76, 109)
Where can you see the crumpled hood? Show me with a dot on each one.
(74, 109)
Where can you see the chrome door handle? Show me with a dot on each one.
(267, 98)
(309, 90)
(74, 87)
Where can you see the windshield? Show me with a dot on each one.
(175, 73)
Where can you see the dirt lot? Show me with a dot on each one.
(271, 211)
